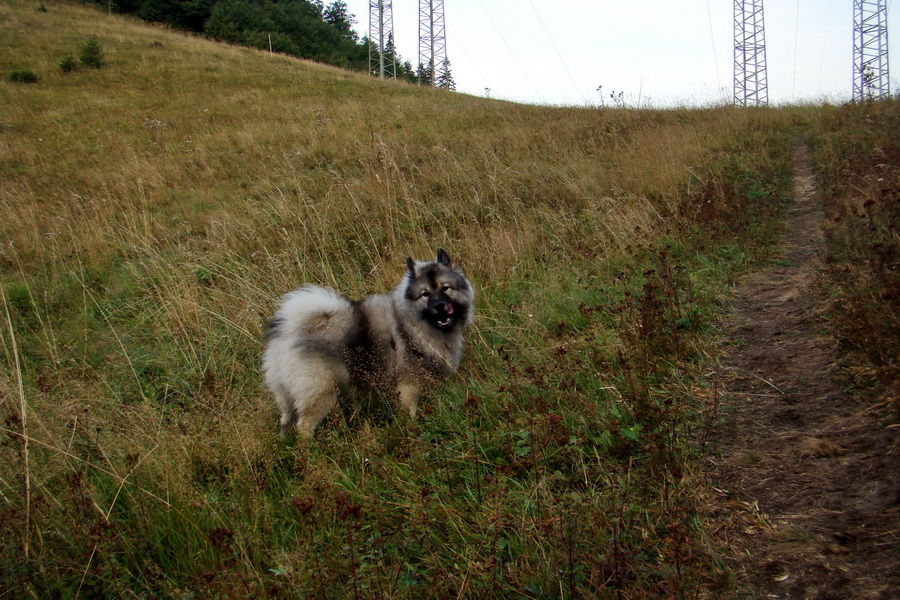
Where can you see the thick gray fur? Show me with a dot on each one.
(402, 343)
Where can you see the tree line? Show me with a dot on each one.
(303, 28)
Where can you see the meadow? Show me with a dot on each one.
(155, 209)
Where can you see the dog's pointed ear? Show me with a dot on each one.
(443, 258)
(411, 265)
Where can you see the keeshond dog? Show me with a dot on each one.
(319, 343)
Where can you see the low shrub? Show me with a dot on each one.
(24, 76)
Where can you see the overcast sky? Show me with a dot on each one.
(658, 52)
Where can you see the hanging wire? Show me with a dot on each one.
(796, 40)
(513, 54)
(472, 62)
(569, 73)
(712, 37)
(824, 44)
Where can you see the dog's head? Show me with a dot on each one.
(439, 292)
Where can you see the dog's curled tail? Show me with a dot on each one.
(309, 311)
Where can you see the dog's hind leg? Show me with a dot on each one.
(288, 412)
(315, 394)
(316, 408)
(288, 418)
(408, 393)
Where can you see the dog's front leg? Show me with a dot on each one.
(409, 396)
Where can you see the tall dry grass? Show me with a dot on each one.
(859, 160)
(155, 210)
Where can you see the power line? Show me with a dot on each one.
(471, 62)
(572, 79)
(824, 43)
(713, 38)
(796, 38)
(513, 54)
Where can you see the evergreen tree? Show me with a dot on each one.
(402, 68)
(68, 64)
(185, 14)
(406, 72)
(91, 54)
(390, 50)
(338, 16)
(445, 77)
(391, 60)
(235, 21)
(304, 28)
(424, 75)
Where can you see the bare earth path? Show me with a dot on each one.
(808, 475)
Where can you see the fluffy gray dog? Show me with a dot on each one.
(320, 343)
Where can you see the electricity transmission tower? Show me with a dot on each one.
(870, 51)
(382, 61)
(432, 40)
(750, 82)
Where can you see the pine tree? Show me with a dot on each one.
(390, 50)
(405, 71)
(424, 75)
(445, 78)
(68, 64)
(338, 16)
(91, 54)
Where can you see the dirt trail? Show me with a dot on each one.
(809, 477)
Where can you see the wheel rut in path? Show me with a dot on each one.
(807, 475)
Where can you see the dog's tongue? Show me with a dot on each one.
(449, 308)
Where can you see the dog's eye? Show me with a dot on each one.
(423, 294)
(445, 287)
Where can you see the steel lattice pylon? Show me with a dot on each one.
(870, 51)
(432, 38)
(382, 61)
(750, 82)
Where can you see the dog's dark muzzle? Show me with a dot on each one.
(441, 313)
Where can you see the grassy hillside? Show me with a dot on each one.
(859, 158)
(155, 209)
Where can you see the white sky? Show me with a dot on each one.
(658, 52)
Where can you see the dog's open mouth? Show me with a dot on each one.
(446, 320)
